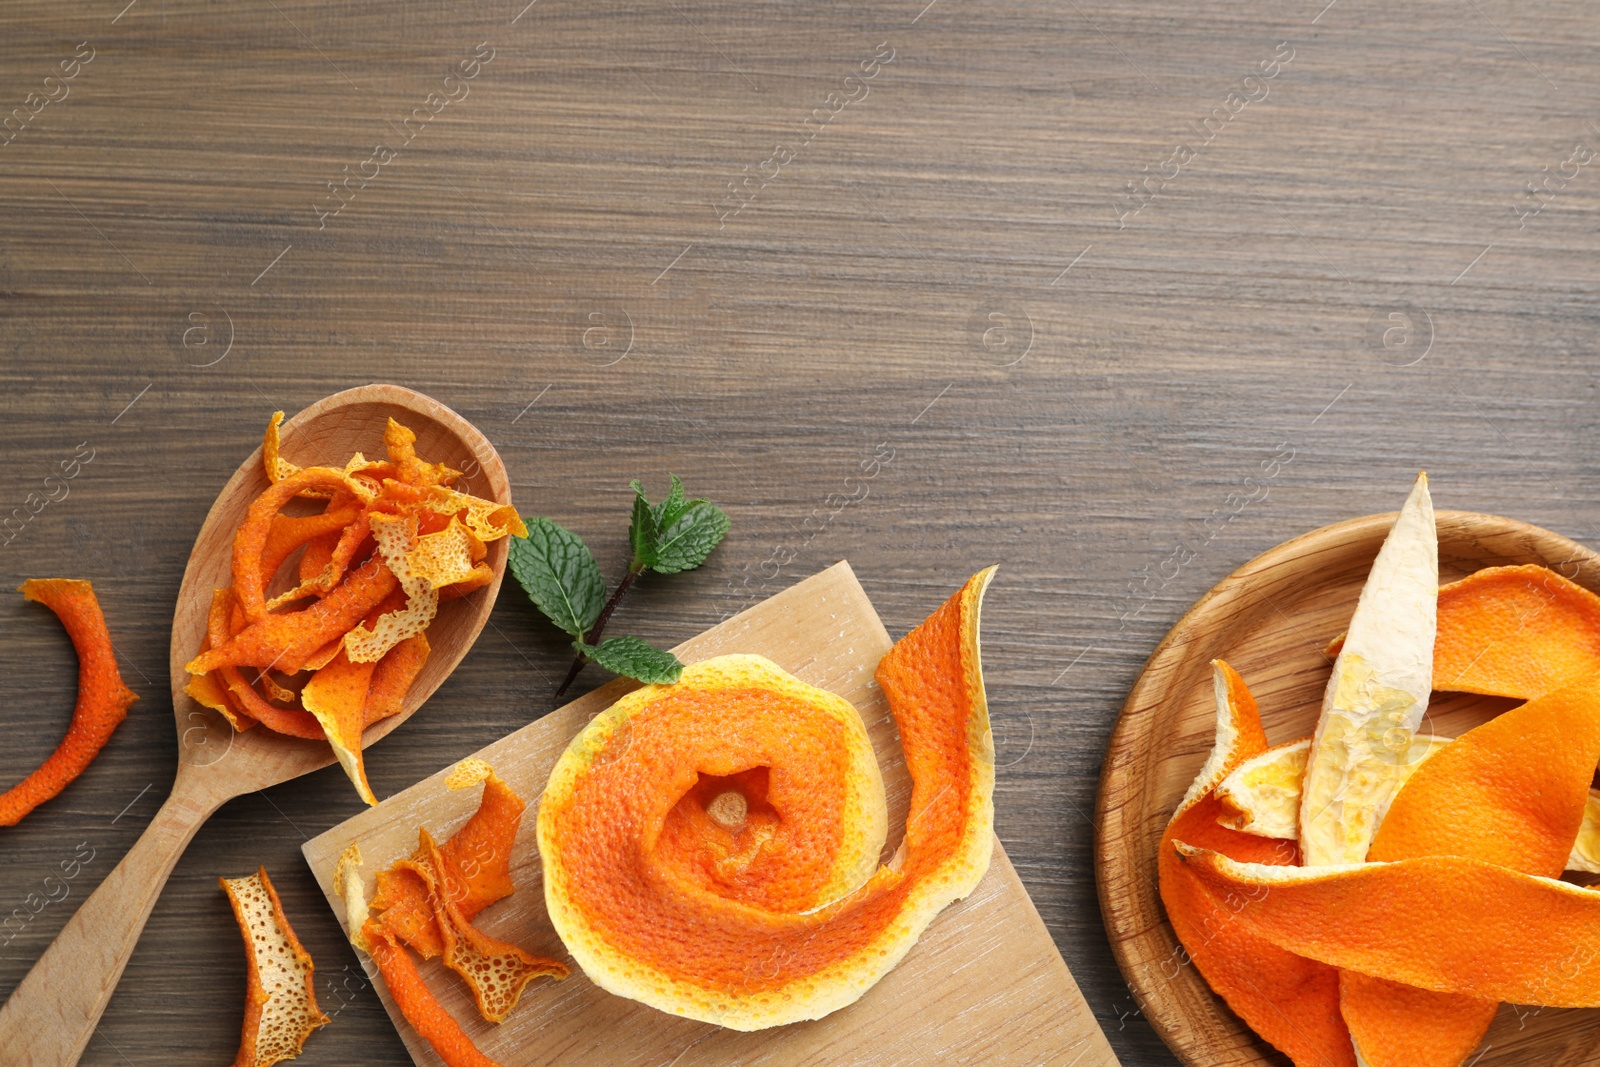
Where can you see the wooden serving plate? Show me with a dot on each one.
(1271, 619)
(985, 985)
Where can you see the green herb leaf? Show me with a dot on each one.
(642, 532)
(560, 575)
(680, 534)
(634, 658)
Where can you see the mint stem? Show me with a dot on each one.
(593, 636)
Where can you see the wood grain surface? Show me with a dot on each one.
(938, 337)
(1004, 997)
(1272, 620)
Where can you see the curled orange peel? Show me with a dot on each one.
(1291, 1001)
(762, 903)
(280, 1000)
(1511, 792)
(103, 699)
(391, 542)
(1443, 923)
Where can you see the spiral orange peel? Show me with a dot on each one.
(710, 847)
(386, 525)
(103, 699)
(280, 1000)
(1291, 1001)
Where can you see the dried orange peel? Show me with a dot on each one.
(1291, 1001)
(710, 847)
(1436, 897)
(280, 999)
(1442, 923)
(103, 699)
(428, 900)
(1473, 799)
(369, 571)
(1262, 797)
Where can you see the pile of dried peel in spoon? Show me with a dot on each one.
(1371, 894)
(338, 651)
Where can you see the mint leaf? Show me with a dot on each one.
(560, 575)
(633, 658)
(642, 532)
(683, 532)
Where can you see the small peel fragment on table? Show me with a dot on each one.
(280, 999)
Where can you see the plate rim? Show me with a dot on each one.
(1121, 751)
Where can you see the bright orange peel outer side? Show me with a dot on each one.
(1515, 632)
(103, 699)
(1445, 923)
(1292, 1002)
(280, 999)
(710, 847)
(1510, 792)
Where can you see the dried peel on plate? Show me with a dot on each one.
(1429, 865)
(1262, 797)
(1291, 1001)
(392, 542)
(427, 901)
(1473, 799)
(710, 846)
(103, 699)
(280, 999)
(1377, 693)
(1425, 923)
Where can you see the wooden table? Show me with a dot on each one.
(919, 319)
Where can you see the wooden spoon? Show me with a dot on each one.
(52, 1014)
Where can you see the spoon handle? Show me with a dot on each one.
(51, 1016)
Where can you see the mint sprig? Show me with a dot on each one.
(561, 577)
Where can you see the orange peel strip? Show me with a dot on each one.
(440, 889)
(337, 696)
(401, 442)
(103, 699)
(397, 542)
(1291, 1001)
(1445, 923)
(1511, 792)
(418, 1004)
(286, 641)
(280, 1000)
(1515, 632)
(250, 541)
(392, 678)
(636, 875)
(494, 970)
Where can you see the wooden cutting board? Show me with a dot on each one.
(1271, 619)
(985, 985)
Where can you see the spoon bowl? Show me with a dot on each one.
(51, 1016)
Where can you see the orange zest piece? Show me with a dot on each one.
(1445, 923)
(103, 699)
(280, 1000)
(417, 1003)
(1515, 632)
(337, 696)
(761, 901)
(427, 901)
(1291, 1001)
